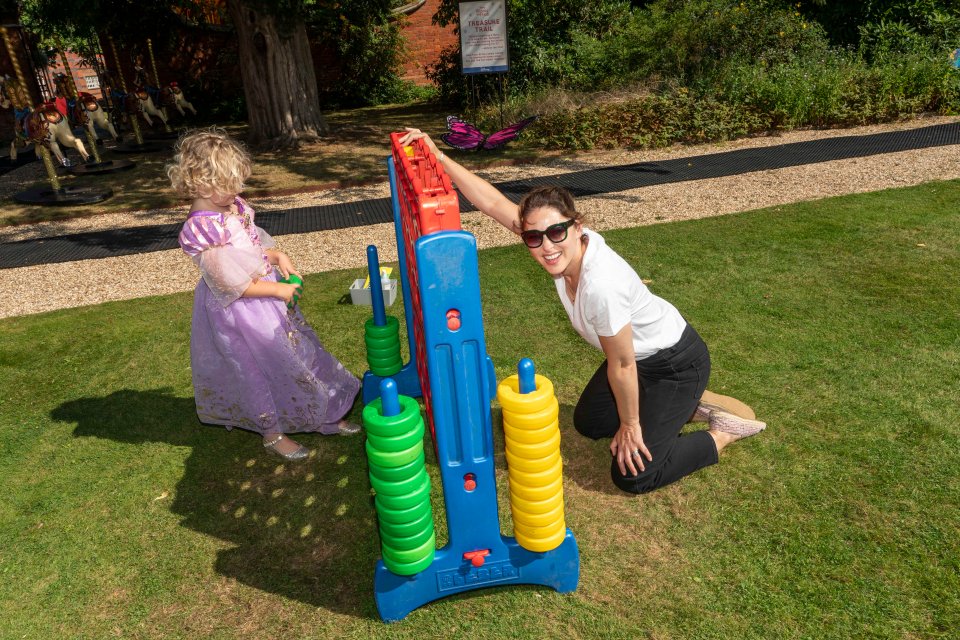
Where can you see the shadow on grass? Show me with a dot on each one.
(303, 531)
(586, 462)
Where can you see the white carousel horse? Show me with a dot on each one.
(44, 125)
(87, 112)
(172, 96)
(147, 106)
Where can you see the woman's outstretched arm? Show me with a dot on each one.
(486, 197)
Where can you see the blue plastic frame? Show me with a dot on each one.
(462, 385)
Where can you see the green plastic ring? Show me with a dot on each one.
(376, 342)
(388, 426)
(387, 372)
(397, 474)
(393, 458)
(407, 500)
(411, 555)
(383, 356)
(405, 529)
(400, 516)
(399, 487)
(407, 542)
(391, 328)
(398, 442)
(377, 361)
(408, 568)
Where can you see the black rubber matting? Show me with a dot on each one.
(117, 242)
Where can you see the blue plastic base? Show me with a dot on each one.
(408, 384)
(396, 596)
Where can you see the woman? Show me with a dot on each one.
(656, 369)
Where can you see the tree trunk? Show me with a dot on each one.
(283, 107)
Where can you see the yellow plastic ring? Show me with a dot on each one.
(537, 493)
(538, 519)
(537, 478)
(534, 419)
(537, 450)
(530, 436)
(536, 506)
(539, 532)
(540, 545)
(508, 393)
(532, 466)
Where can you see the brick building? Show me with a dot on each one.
(424, 40)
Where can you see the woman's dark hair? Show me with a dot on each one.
(554, 197)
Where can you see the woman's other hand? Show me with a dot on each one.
(629, 450)
(415, 134)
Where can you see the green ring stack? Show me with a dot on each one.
(297, 280)
(398, 474)
(383, 347)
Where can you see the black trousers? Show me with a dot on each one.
(671, 383)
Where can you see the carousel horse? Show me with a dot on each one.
(172, 96)
(85, 111)
(147, 106)
(44, 125)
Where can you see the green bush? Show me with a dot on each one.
(838, 88)
(648, 121)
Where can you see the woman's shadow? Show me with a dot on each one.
(303, 530)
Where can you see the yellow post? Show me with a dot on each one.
(156, 79)
(20, 102)
(123, 87)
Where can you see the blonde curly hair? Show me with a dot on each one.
(208, 162)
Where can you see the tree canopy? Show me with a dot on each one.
(273, 38)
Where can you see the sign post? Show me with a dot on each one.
(483, 37)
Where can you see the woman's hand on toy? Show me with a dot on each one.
(629, 450)
(415, 134)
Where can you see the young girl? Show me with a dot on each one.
(256, 364)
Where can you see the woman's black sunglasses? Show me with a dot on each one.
(555, 232)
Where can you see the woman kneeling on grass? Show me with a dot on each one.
(654, 378)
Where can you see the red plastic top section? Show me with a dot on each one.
(429, 190)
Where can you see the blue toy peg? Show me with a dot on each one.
(376, 289)
(527, 374)
(389, 397)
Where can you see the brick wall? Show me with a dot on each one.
(424, 41)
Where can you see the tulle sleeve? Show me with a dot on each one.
(266, 240)
(228, 270)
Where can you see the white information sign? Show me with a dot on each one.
(483, 36)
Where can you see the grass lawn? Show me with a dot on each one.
(121, 516)
(352, 152)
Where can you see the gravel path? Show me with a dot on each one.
(86, 282)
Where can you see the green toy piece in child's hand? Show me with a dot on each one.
(297, 280)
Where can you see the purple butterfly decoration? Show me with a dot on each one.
(466, 137)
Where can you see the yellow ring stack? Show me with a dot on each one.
(531, 428)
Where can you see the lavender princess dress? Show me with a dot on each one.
(255, 364)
